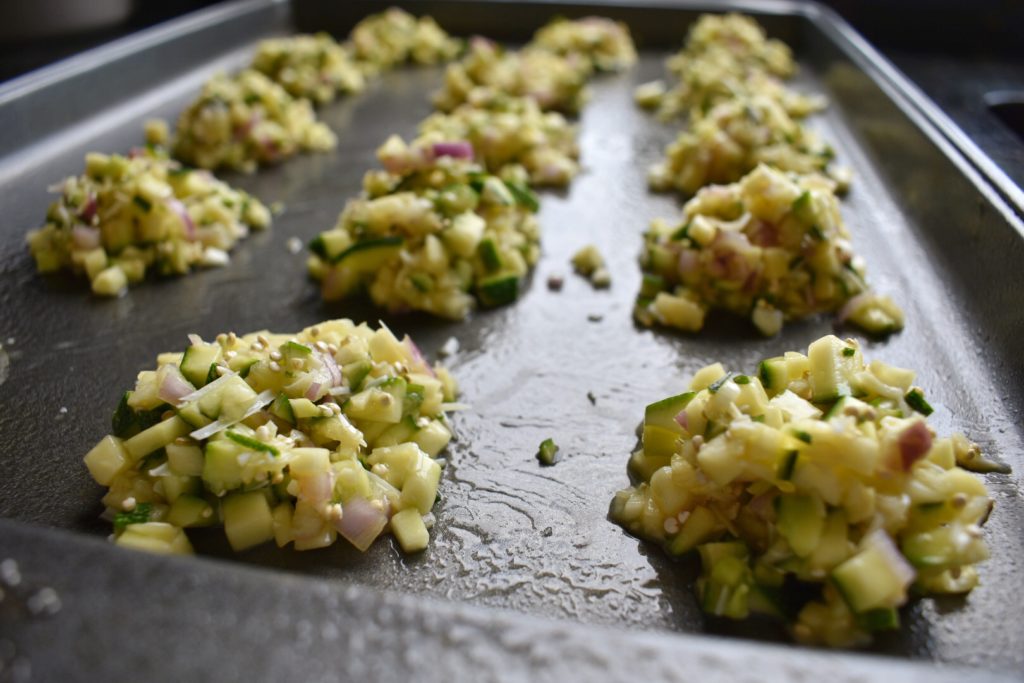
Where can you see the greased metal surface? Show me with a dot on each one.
(511, 534)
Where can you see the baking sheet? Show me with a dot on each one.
(511, 534)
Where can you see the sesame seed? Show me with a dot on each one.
(221, 338)
(314, 332)
(262, 340)
(128, 504)
(232, 338)
(275, 355)
(256, 346)
(230, 354)
(671, 526)
(274, 367)
(332, 349)
(321, 347)
(278, 478)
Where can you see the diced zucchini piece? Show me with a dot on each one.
(419, 490)
(303, 409)
(498, 290)
(678, 311)
(382, 403)
(384, 346)
(882, 619)
(398, 433)
(282, 408)
(875, 577)
(659, 442)
(663, 413)
(547, 451)
(801, 521)
(915, 399)
(337, 432)
(156, 437)
(282, 517)
(355, 372)
(221, 469)
(828, 381)
(247, 520)
(190, 511)
(368, 256)
(401, 461)
(408, 527)
(191, 414)
(351, 480)
(706, 376)
(110, 281)
(309, 462)
(488, 251)
(786, 465)
(465, 233)
(330, 244)
(948, 546)
(250, 443)
(107, 459)
(433, 437)
(155, 537)
(774, 375)
(699, 526)
(195, 364)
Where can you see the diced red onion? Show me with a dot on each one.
(689, 261)
(332, 368)
(851, 306)
(335, 284)
(361, 522)
(914, 442)
(458, 150)
(683, 420)
(174, 388)
(188, 224)
(313, 392)
(85, 238)
(243, 130)
(88, 210)
(417, 355)
(761, 505)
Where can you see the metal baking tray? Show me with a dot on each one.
(525, 576)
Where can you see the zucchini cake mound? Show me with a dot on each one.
(815, 492)
(296, 438)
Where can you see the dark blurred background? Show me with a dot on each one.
(34, 33)
(967, 55)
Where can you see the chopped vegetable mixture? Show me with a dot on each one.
(434, 232)
(772, 247)
(298, 439)
(126, 216)
(814, 492)
(246, 120)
